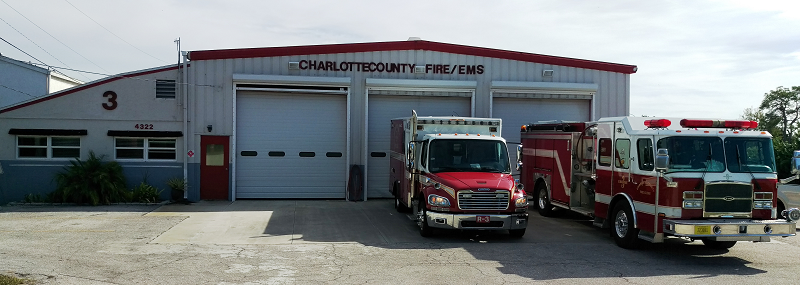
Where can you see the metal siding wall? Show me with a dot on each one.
(213, 104)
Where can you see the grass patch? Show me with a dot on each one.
(11, 280)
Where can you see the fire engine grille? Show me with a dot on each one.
(496, 200)
(723, 199)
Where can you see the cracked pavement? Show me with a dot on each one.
(338, 242)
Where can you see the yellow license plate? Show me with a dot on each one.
(702, 230)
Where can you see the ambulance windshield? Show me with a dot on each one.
(456, 155)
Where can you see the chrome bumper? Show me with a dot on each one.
(730, 229)
(468, 221)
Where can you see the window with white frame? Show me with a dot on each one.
(48, 147)
(145, 148)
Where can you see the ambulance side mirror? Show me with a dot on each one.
(519, 157)
(410, 156)
(662, 159)
(796, 162)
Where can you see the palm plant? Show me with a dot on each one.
(92, 181)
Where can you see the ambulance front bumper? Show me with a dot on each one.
(730, 229)
(471, 221)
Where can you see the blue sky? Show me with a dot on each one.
(696, 58)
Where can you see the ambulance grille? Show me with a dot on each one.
(494, 200)
(728, 199)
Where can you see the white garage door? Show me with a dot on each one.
(384, 108)
(290, 145)
(516, 112)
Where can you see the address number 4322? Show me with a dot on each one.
(144, 126)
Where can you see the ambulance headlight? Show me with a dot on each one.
(792, 215)
(521, 202)
(439, 201)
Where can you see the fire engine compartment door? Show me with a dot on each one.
(562, 162)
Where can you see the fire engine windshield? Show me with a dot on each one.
(454, 155)
(694, 154)
(749, 155)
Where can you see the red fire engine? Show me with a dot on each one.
(644, 178)
(454, 172)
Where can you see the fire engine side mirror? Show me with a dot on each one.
(662, 159)
(519, 157)
(796, 162)
(410, 156)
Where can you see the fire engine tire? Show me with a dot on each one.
(622, 227)
(718, 244)
(781, 207)
(543, 202)
(421, 212)
(518, 233)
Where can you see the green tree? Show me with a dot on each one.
(781, 108)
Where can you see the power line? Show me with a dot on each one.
(12, 89)
(29, 20)
(1, 19)
(126, 77)
(49, 67)
(90, 18)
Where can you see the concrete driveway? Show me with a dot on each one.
(284, 222)
(338, 242)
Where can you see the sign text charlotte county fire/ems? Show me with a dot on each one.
(388, 67)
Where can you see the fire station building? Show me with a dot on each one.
(290, 122)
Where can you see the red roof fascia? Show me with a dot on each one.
(86, 86)
(410, 45)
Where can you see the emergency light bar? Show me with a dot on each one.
(459, 122)
(686, 123)
(660, 123)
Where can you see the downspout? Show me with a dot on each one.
(185, 94)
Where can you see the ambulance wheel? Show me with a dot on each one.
(543, 202)
(718, 244)
(518, 233)
(625, 234)
(422, 219)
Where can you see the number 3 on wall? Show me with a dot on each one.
(112, 100)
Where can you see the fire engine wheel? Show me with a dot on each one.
(543, 202)
(422, 220)
(623, 230)
(718, 244)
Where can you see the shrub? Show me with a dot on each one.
(92, 181)
(145, 193)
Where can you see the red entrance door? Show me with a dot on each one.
(214, 164)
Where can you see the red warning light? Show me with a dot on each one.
(660, 123)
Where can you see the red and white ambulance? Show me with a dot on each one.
(455, 173)
(649, 179)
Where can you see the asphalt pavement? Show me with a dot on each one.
(324, 242)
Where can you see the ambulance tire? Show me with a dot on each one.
(625, 234)
(543, 202)
(422, 221)
(718, 244)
